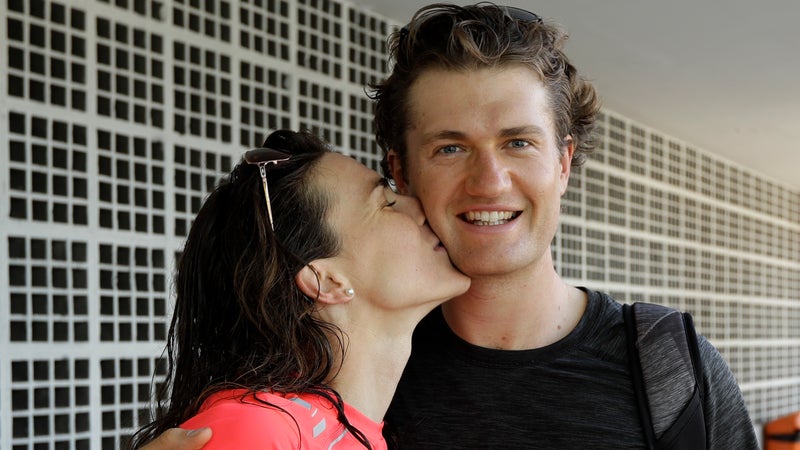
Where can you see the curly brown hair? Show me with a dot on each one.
(484, 35)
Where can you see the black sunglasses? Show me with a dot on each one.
(522, 14)
(515, 13)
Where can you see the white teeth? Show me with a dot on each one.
(485, 218)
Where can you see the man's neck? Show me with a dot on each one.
(508, 313)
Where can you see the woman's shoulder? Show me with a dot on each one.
(240, 419)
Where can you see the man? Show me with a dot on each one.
(483, 118)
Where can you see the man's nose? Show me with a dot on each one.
(487, 174)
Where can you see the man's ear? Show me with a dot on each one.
(320, 282)
(396, 170)
(565, 162)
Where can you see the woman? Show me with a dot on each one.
(297, 337)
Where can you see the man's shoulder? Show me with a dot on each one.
(602, 318)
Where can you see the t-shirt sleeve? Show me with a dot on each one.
(727, 420)
(237, 425)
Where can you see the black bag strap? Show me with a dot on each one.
(637, 377)
(669, 340)
(694, 350)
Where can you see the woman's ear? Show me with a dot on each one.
(396, 170)
(320, 282)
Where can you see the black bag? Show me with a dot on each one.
(667, 376)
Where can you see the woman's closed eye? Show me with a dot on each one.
(387, 188)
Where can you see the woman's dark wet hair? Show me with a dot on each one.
(484, 35)
(240, 321)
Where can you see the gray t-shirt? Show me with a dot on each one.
(575, 393)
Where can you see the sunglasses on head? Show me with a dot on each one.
(263, 157)
(522, 14)
(515, 13)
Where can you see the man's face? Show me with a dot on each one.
(484, 161)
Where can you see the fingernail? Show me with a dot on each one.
(194, 432)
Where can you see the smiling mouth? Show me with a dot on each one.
(489, 218)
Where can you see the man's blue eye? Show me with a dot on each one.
(449, 149)
(517, 143)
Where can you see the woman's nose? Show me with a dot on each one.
(411, 206)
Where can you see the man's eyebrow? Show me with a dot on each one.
(443, 135)
(505, 132)
(522, 130)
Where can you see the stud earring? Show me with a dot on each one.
(350, 292)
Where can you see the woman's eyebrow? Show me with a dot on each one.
(377, 187)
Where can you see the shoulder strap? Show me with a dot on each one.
(636, 376)
(694, 349)
(666, 374)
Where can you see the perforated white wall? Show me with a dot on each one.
(118, 116)
(652, 218)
